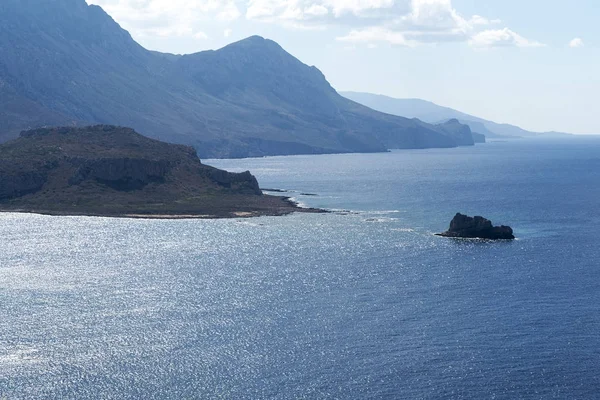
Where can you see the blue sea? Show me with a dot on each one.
(361, 303)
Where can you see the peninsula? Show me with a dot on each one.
(113, 171)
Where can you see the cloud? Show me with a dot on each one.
(227, 33)
(435, 21)
(398, 22)
(168, 18)
(373, 35)
(228, 11)
(577, 42)
(358, 7)
(321, 13)
(479, 20)
(316, 10)
(501, 38)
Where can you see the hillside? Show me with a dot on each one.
(112, 171)
(435, 114)
(66, 63)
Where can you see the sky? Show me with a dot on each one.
(532, 63)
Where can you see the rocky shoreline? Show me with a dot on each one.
(287, 207)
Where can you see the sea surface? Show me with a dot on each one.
(361, 303)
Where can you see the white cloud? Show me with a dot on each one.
(258, 9)
(227, 33)
(397, 22)
(434, 21)
(323, 12)
(357, 7)
(427, 21)
(479, 20)
(228, 11)
(577, 42)
(168, 18)
(200, 35)
(376, 34)
(501, 38)
(316, 10)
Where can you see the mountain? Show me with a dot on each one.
(112, 171)
(433, 113)
(68, 63)
(461, 133)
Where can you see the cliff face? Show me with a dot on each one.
(107, 170)
(120, 173)
(14, 185)
(478, 137)
(243, 182)
(460, 133)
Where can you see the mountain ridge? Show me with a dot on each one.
(68, 63)
(434, 113)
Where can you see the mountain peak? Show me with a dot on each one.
(253, 39)
(255, 43)
(256, 63)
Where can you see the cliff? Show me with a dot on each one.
(113, 171)
(461, 133)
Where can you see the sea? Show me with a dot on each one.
(364, 302)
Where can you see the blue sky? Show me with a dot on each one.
(532, 63)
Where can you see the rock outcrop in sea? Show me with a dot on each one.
(463, 226)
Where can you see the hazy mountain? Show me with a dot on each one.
(64, 62)
(461, 132)
(432, 113)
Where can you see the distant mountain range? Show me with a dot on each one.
(66, 63)
(433, 113)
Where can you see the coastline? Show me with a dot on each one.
(288, 206)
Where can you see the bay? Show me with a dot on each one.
(364, 302)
